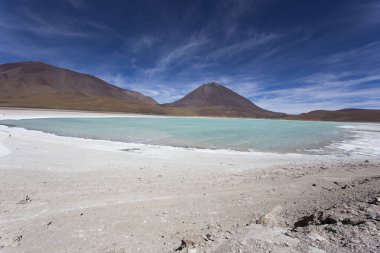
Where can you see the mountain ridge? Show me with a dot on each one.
(81, 84)
(342, 115)
(34, 84)
(217, 100)
(37, 84)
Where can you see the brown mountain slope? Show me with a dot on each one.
(140, 97)
(36, 84)
(39, 85)
(345, 115)
(213, 99)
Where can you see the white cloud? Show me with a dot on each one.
(162, 92)
(45, 25)
(177, 56)
(240, 47)
(140, 43)
(365, 52)
(329, 93)
(77, 4)
(116, 79)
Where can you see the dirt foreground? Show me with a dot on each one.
(61, 194)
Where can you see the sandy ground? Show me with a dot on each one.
(61, 194)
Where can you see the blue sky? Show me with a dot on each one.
(285, 55)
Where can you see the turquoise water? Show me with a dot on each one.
(236, 134)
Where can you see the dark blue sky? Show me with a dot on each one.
(285, 55)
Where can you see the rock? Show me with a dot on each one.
(313, 185)
(330, 229)
(270, 219)
(374, 201)
(315, 219)
(192, 250)
(348, 221)
(188, 243)
(24, 201)
(328, 220)
(308, 220)
(208, 237)
(17, 238)
(50, 222)
(314, 236)
(182, 246)
(366, 161)
(289, 233)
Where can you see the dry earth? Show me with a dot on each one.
(60, 194)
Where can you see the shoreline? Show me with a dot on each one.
(67, 194)
(107, 114)
(340, 146)
(362, 141)
(7, 133)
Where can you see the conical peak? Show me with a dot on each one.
(212, 84)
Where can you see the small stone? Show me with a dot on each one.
(328, 220)
(330, 229)
(348, 221)
(191, 250)
(271, 218)
(186, 242)
(374, 201)
(17, 238)
(308, 220)
(24, 201)
(207, 237)
(314, 236)
(288, 233)
(182, 246)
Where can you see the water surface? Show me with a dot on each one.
(281, 136)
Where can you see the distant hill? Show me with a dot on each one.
(40, 85)
(345, 115)
(213, 99)
(36, 84)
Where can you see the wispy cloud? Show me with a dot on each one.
(26, 20)
(160, 91)
(177, 56)
(328, 92)
(240, 47)
(141, 42)
(77, 4)
(368, 51)
(38, 25)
